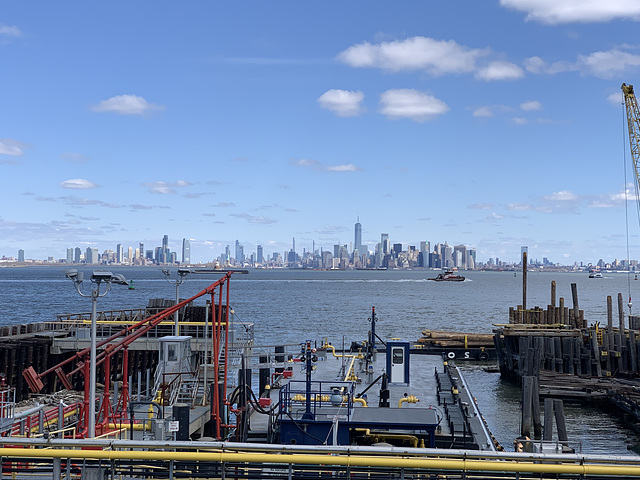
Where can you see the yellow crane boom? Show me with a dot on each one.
(633, 120)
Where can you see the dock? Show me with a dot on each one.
(555, 351)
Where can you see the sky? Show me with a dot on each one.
(489, 123)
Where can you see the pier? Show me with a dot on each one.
(555, 352)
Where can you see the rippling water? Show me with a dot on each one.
(289, 306)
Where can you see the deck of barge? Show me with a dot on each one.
(444, 401)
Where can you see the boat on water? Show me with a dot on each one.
(448, 276)
(595, 275)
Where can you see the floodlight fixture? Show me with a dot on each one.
(101, 276)
(182, 276)
(119, 279)
(98, 277)
(72, 273)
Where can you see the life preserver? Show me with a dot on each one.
(451, 355)
(483, 356)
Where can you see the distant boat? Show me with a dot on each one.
(595, 275)
(448, 276)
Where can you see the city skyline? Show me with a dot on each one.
(385, 254)
(222, 122)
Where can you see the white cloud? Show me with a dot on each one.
(531, 105)
(608, 64)
(10, 31)
(601, 64)
(409, 103)
(126, 105)
(344, 168)
(518, 206)
(343, 103)
(562, 196)
(78, 183)
(534, 65)
(493, 217)
(481, 206)
(485, 111)
(615, 99)
(519, 121)
(166, 188)
(500, 70)
(567, 11)
(320, 167)
(255, 219)
(72, 157)
(10, 147)
(436, 57)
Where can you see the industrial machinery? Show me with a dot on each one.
(633, 121)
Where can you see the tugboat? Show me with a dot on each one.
(448, 276)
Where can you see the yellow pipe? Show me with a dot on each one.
(385, 436)
(361, 401)
(333, 351)
(466, 465)
(127, 426)
(314, 398)
(54, 420)
(351, 376)
(409, 399)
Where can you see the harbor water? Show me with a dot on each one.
(289, 306)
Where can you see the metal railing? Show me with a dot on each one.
(167, 459)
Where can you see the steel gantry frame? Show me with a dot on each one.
(126, 336)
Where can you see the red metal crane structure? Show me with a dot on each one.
(120, 342)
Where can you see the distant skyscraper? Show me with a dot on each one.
(239, 252)
(386, 245)
(119, 253)
(77, 255)
(460, 256)
(186, 251)
(21, 255)
(69, 255)
(357, 244)
(260, 254)
(447, 256)
(92, 256)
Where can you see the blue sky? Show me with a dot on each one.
(494, 124)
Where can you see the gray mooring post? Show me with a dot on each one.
(621, 337)
(547, 436)
(558, 409)
(621, 313)
(527, 403)
(553, 293)
(576, 309)
(530, 407)
(524, 281)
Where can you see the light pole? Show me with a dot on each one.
(97, 277)
(182, 276)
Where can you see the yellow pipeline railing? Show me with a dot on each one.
(462, 464)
